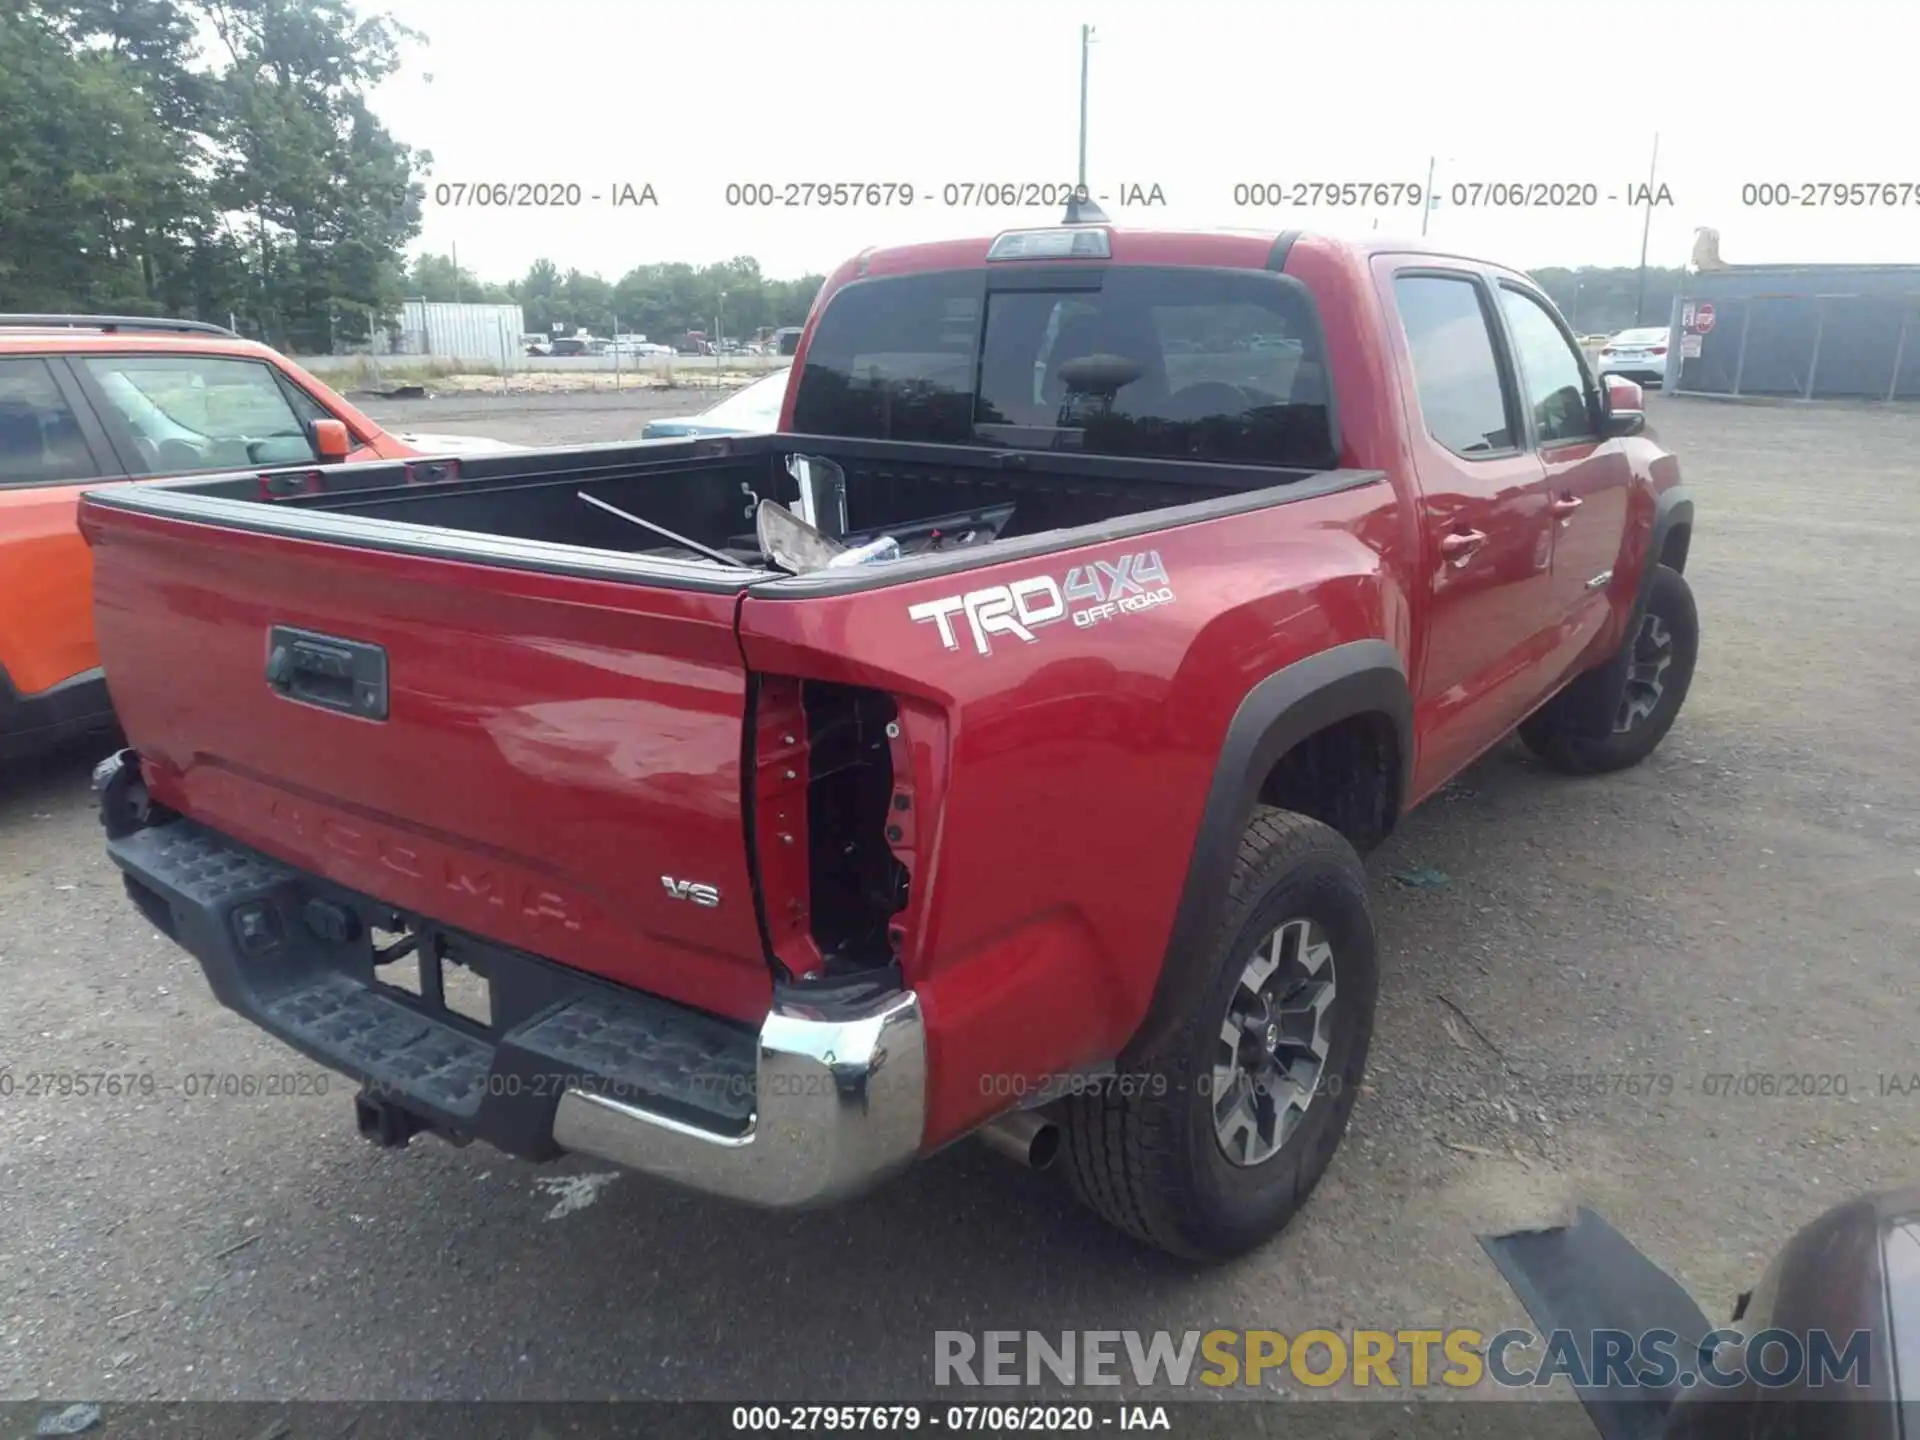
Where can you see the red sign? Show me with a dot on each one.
(1703, 317)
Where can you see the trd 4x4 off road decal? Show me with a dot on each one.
(1108, 588)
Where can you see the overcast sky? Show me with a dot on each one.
(1193, 97)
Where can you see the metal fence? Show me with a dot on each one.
(1859, 339)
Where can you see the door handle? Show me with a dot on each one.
(1459, 547)
(345, 675)
(1565, 505)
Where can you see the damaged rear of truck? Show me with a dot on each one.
(777, 880)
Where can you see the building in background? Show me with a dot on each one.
(1813, 332)
(475, 334)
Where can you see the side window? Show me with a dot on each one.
(41, 443)
(305, 407)
(201, 412)
(1455, 370)
(1552, 377)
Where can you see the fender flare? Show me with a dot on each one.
(1604, 682)
(1673, 507)
(1357, 678)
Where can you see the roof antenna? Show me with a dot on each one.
(1081, 209)
(1084, 212)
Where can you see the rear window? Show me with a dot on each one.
(41, 442)
(1167, 363)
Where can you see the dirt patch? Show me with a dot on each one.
(588, 382)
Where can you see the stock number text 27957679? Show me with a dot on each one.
(1328, 194)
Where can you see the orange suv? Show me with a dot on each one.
(92, 398)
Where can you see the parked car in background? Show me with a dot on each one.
(1637, 354)
(752, 410)
(86, 399)
(536, 344)
(785, 341)
(635, 345)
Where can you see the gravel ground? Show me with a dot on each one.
(1748, 901)
(527, 419)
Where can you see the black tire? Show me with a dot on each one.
(1143, 1152)
(1579, 731)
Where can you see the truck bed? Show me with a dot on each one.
(453, 693)
(944, 503)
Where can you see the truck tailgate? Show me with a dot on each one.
(558, 768)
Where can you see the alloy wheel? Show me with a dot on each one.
(1272, 1051)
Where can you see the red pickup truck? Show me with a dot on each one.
(992, 748)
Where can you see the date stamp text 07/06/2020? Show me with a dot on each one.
(1250, 194)
(1007, 194)
(792, 194)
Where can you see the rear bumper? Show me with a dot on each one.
(73, 707)
(825, 1100)
(841, 1107)
(1634, 369)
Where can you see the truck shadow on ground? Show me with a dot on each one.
(35, 782)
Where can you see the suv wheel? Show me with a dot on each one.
(1598, 723)
(1210, 1146)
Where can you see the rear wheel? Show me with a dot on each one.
(1611, 718)
(1210, 1146)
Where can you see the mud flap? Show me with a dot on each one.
(1587, 1276)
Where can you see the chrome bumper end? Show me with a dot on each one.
(840, 1105)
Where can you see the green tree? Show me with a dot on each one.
(137, 174)
(433, 277)
(538, 294)
(320, 198)
(92, 180)
(1602, 299)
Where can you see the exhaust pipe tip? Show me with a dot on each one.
(1024, 1137)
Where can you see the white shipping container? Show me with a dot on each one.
(476, 334)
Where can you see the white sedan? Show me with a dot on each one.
(749, 411)
(1637, 354)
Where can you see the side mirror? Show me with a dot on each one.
(1626, 406)
(331, 442)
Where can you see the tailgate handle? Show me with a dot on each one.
(345, 675)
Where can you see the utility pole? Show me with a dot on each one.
(1426, 197)
(1646, 227)
(1086, 40)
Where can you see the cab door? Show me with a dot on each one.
(51, 448)
(1487, 534)
(1588, 476)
